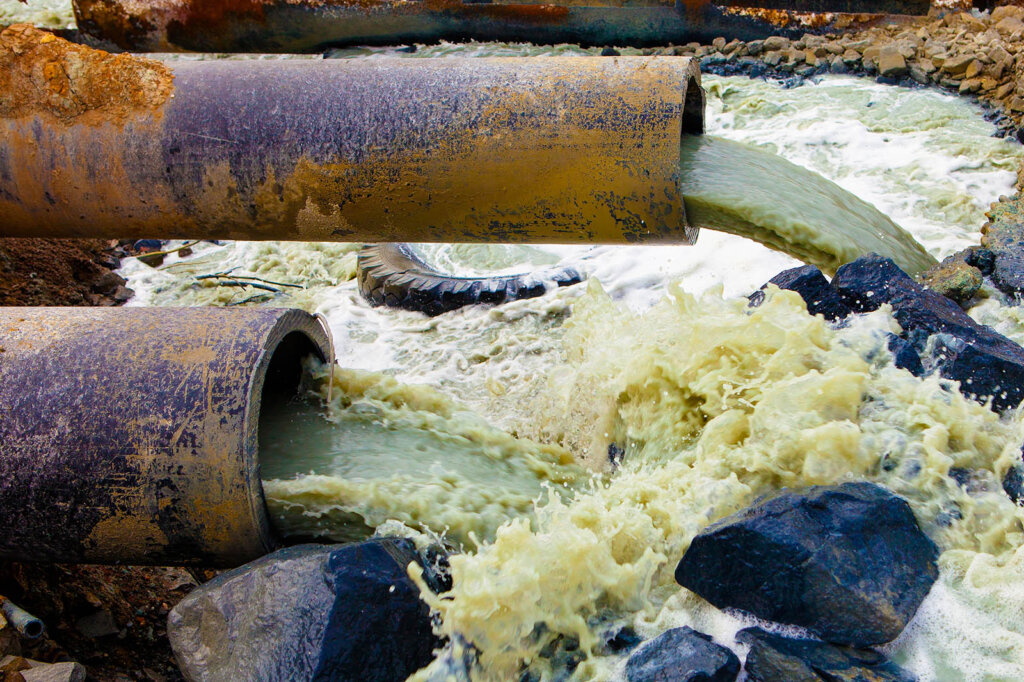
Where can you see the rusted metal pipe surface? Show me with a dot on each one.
(559, 150)
(129, 435)
(314, 25)
(21, 620)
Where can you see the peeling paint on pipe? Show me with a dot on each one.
(558, 150)
(314, 25)
(129, 435)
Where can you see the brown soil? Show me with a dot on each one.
(60, 272)
(111, 619)
(43, 74)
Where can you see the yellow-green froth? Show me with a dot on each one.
(302, 274)
(717, 403)
(52, 14)
(389, 451)
(969, 627)
(752, 193)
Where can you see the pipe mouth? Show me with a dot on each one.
(278, 379)
(693, 107)
(33, 629)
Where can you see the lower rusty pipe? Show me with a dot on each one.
(558, 150)
(129, 435)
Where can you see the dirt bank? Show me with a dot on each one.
(60, 272)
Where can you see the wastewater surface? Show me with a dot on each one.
(572, 445)
(797, 212)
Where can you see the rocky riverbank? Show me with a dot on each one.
(978, 56)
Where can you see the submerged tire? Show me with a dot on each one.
(393, 275)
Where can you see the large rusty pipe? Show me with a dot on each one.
(130, 435)
(559, 150)
(313, 25)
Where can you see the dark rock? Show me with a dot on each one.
(682, 655)
(99, 623)
(122, 294)
(1008, 273)
(309, 612)
(147, 245)
(1013, 483)
(987, 364)
(107, 282)
(812, 286)
(615, 453)
(847, 562)
(610, 52)
(774, 658)
(624, 639)
(905, 356)
(153, 260)
(981, 258)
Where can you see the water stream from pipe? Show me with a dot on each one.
(736, 188)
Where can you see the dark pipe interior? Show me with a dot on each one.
(693, 109)
(284, 374)
(33, 629)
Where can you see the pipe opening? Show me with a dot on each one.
(284, 378)
(283, 384)
(33, 629)
(693, 108)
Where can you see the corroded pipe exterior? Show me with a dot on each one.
(554, 150)
(21, 620)
(313, 25)
(129, 435)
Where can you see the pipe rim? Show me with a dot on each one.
(292, 321)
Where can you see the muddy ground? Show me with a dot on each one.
(61, 272)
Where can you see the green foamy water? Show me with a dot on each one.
(382, 451)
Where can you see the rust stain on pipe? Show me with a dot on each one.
(130, 434)
(43, 75)
(553, 150)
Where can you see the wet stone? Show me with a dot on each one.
(812, 286)
(891, 63)
(987, 364)
(847, 562)
(774, 658)
(955, 278)
(309, 612)
(682, 655)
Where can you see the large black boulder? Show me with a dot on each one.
(774, 658)
(309, 612)
(847, 562)
(682, 655)
(987, 364)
